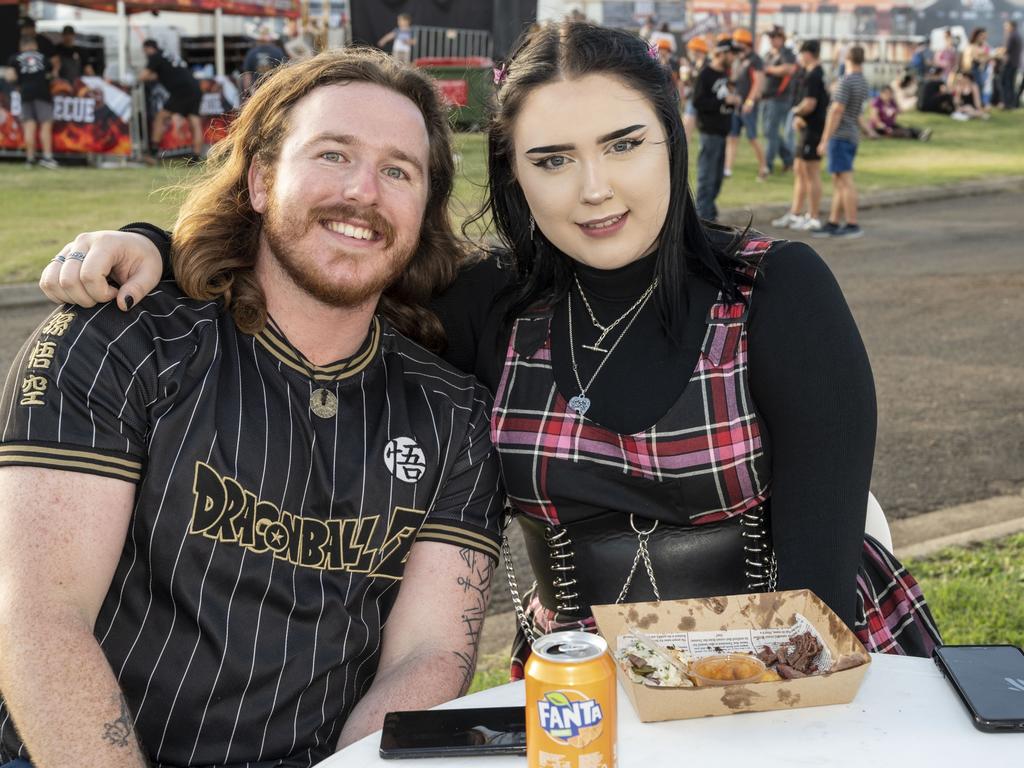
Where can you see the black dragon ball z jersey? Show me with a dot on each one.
(267, 544)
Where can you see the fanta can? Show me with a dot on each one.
(571, 714)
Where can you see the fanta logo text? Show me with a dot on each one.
(564, 715)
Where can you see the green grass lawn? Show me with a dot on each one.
(976, 594)
(42, 210)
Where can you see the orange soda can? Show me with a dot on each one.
(571, 713)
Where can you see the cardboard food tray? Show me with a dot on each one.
(775, 609)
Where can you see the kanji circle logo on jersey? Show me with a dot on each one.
(405, 459)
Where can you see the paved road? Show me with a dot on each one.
(937, 292)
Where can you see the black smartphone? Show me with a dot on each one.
(989, 680)
(454, 733)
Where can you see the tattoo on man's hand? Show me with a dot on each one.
(119, 732)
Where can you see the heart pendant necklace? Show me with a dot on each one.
(581, 403)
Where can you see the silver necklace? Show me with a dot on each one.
(581, 403)
(606, 329)
(322, 402)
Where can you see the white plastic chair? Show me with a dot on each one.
(876, 525)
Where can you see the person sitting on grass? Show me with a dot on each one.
(967, 99)
(884, 111)
(934, 95)
(905, 90)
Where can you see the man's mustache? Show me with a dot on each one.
(371, 218)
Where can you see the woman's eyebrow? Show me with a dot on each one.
(600, 140)
(619, 133)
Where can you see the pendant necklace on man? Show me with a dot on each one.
(322, 402)
(581, 403)
(606, 329)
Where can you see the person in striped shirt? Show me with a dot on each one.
(245, 521)
(839, 140)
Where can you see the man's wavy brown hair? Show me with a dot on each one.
(217, 231)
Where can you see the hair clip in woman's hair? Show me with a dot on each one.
(652, 50)
(500, 73)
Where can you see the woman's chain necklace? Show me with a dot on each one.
(606, 329)
(581, 403)
(322, 401)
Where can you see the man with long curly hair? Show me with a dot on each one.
(244, 521)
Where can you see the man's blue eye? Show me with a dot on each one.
(396, 173)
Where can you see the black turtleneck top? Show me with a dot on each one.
(809, 378)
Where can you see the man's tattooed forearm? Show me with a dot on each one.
(467, 665)
(476, 585)
(119, 732)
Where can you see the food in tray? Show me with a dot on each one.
(664, 666)
(646, 667)
(727, 669)
(795, 658)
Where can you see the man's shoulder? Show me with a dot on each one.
(437, 378)
(165, 315)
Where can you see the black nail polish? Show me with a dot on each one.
(129, 302)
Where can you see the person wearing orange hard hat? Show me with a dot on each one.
(748, 74)
(697, 45)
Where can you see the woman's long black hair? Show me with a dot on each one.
(542, 273)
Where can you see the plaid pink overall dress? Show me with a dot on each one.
(705, 461)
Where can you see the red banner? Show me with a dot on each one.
(90, 116)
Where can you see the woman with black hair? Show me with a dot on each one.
(681, 410)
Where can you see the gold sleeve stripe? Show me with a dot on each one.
(43, 450)
(457, 531)
(13, 460)
(488, 549)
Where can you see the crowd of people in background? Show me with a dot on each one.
(965, 80)
(777, 91)
(732, 86)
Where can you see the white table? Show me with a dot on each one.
(904, 715)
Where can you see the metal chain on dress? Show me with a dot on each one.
(606, 329)
(513, 589)
(642, 553)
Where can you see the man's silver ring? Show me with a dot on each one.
(59, 258)
(77, 255)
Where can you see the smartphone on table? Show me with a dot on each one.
(990, 681)
(454, 733)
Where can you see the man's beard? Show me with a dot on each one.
(284, 234)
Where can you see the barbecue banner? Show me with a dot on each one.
(90, 116)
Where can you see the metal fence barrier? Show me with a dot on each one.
(445, 42)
